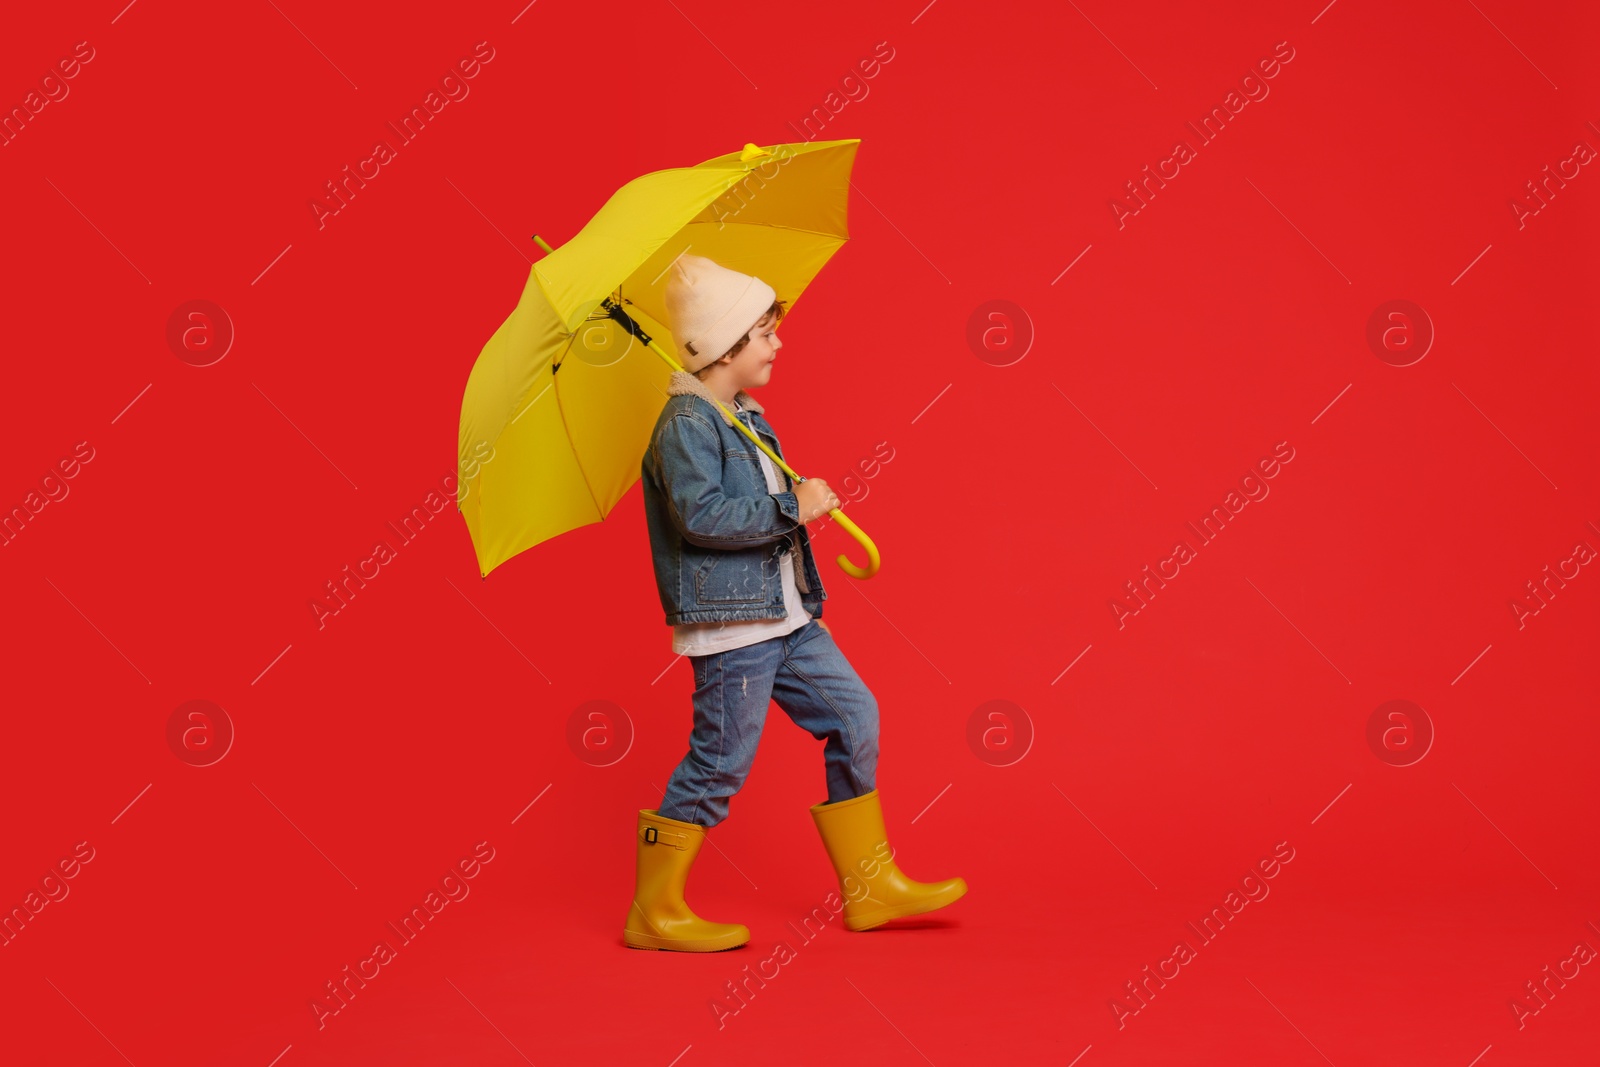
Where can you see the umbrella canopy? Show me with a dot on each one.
(559, 406)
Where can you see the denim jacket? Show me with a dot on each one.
(717, 536)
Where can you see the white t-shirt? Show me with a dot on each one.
(704, 638)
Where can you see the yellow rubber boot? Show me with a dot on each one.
(658, 916)
(875, 890)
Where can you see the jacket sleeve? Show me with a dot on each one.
(691, 458)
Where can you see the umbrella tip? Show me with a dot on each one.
(752, 151)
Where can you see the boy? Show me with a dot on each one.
(740, 587)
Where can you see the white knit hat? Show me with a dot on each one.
(711, 307)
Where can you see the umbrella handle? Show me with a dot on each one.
(837, 514)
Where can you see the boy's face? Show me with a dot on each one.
(752, 367)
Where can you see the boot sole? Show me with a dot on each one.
(650, 941)
(900, 911)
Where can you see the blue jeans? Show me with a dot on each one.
(810, 679)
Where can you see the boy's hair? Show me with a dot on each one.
(738, 346)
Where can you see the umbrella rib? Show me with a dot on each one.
(779, 226)
(576, 458)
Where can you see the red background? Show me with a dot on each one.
(1228, 715)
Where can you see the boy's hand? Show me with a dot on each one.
(815, 499)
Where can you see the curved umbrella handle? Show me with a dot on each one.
(866, 542)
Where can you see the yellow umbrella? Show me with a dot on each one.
(559, 406)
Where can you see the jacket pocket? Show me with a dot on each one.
(731, 578)
(742, 474)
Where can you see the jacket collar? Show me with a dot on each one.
(682, 382)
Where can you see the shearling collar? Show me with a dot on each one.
(682, 382)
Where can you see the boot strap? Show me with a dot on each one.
(653, 836)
